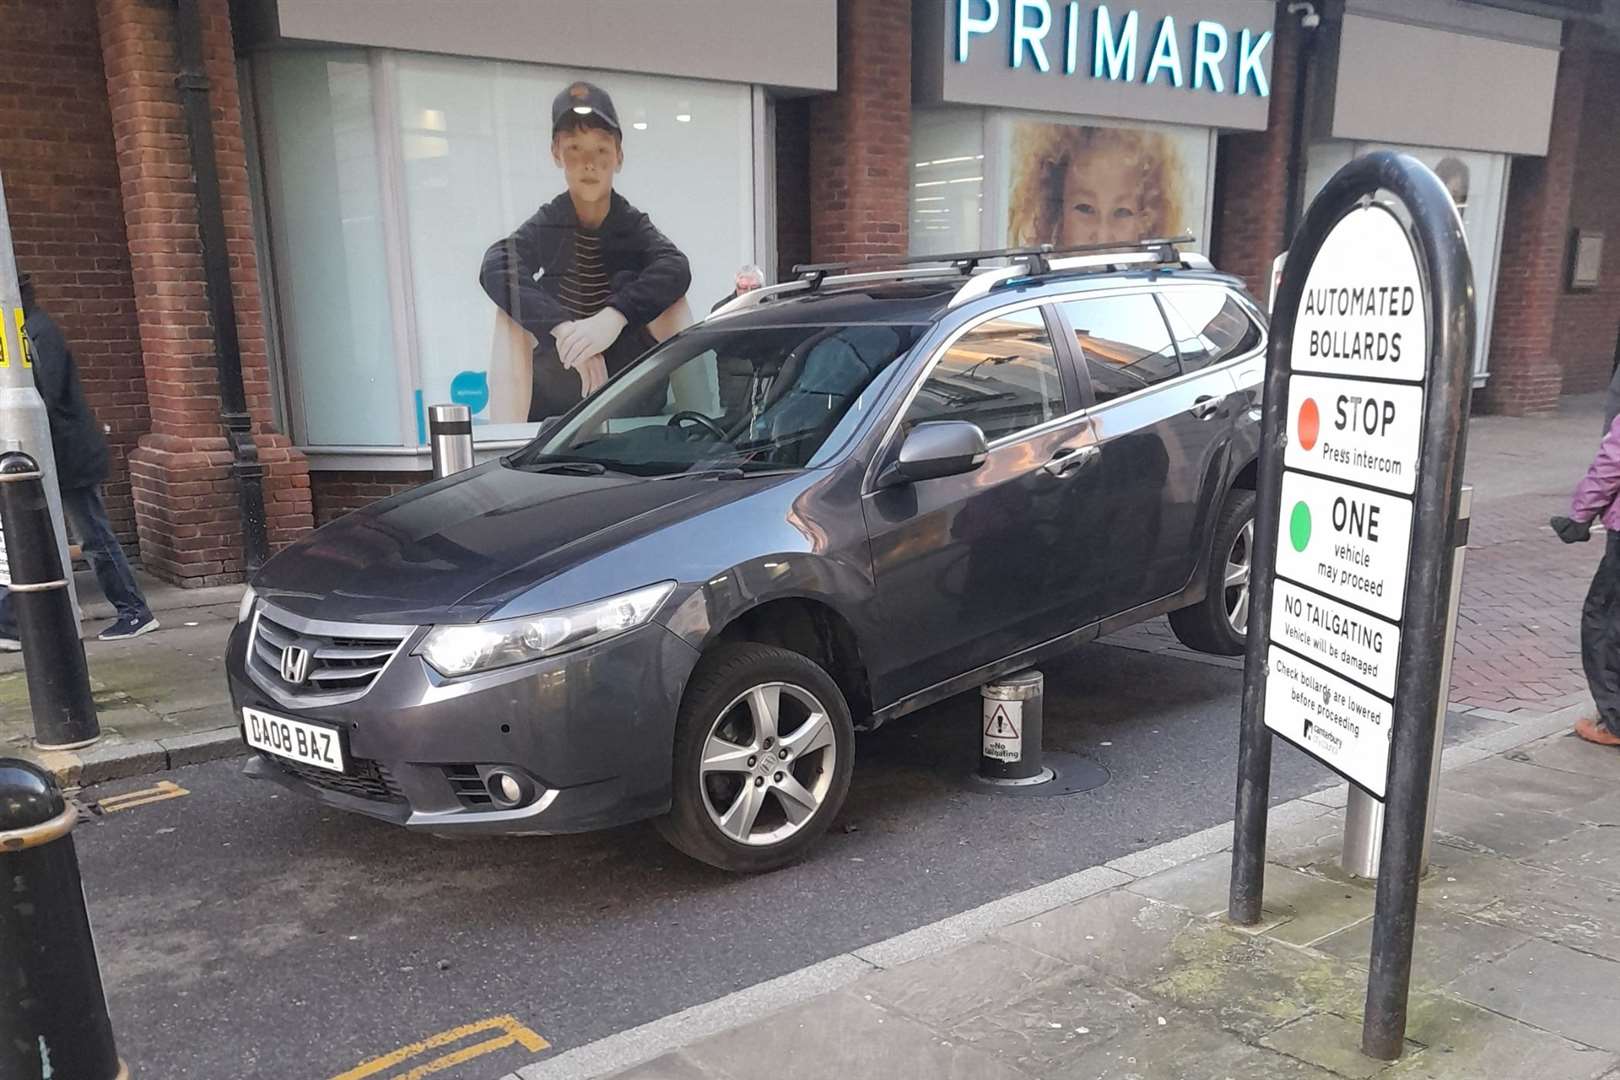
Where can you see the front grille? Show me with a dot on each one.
(468, 786)
(342, 664)
(365, 779)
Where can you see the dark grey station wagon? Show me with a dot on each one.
(832, 503)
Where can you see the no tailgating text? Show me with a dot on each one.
(1202, 56)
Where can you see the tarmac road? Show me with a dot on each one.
(245, 932)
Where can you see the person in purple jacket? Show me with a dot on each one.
(1600, 616)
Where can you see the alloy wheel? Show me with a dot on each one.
(768, 763)
(1239, 570)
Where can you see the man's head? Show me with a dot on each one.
(585, 140)
(748, 279)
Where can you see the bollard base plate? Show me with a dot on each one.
(1070, 774)
(80, 745)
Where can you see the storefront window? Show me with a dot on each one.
(323, 182)
(1000, 179)
(378, 273)
(1478, 184)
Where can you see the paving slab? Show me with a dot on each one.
(942, 989)
(1553, 987)
(1328, 1041)
(675, 1066)
(1465, 1042)
(1487, 825)
(1445, 942)
(1180, 1050)
(1120, 933)
(841, 1036)
(1045, 1032)
(1252, 985)
(1568, 753)
(1522, 785)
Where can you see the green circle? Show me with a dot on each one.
(1299, 526)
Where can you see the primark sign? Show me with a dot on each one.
(1199, 62)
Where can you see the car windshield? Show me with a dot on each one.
(755, 400)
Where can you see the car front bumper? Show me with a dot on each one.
(592, 731)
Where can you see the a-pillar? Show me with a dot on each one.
(1526, 370)
(860, 137)
(186, 501)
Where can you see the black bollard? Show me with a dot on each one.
(53, 1013)
(53, 656)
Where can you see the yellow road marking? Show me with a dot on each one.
(158, 792)
(514, 1034)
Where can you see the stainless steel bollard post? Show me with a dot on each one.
(450, 434)
(1011, 753)
(1363, 814)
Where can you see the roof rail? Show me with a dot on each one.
(1022, 262)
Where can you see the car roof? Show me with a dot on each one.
(927, 300)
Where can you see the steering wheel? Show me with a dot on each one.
(700, 420)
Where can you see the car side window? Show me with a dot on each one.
(1002, 375)
(1210, 325)
(1125, 343)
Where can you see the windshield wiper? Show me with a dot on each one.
(573, 467)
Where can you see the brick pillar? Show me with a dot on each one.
(1526, 376)
(186, 508)
(1251, 174)
(860, 137)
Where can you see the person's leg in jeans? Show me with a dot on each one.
(1600, 643)
(86, 511)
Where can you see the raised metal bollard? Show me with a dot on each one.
(53, 656)
(1011, 753)
(53, 1012)
(450, 433)
(1363, 814)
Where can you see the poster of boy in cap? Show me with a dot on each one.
(588, 275)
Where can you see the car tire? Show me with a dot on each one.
(1218, 624)
(736, 803)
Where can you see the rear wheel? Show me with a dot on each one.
(763, 753)
(1219, 623)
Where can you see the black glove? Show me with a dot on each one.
(1572, 532)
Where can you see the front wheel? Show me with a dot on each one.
(1219, 623)
(764, 747)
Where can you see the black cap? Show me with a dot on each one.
(584, 99)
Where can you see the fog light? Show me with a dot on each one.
(509, 790)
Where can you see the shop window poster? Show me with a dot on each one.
(1075, 184)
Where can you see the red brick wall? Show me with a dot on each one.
(61, 184)
(185, 495)
(1588, 322)
(339, 493)
(792, 185)
(860, 137)
(1251, 175)
(1526, 372)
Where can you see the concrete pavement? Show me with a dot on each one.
(1129, 969)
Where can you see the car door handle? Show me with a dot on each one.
(1070, 458)
(1205, 407)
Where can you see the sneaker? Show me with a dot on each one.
(1594, 731)
(128, 626)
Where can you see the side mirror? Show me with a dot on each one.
(934, 449)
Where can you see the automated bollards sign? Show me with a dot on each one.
(1361, 467)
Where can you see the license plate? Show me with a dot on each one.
(310, 744)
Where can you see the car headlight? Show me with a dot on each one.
(462, 650)
(245, 610)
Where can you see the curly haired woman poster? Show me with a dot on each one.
(1071, 185)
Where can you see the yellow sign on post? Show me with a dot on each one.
(23, 347)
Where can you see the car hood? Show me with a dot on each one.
(456, 549)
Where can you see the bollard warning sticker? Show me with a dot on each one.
(5, 561)
(1003, 730)
(1342, 725)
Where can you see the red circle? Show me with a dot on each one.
(1310, 424)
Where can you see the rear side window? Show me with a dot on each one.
(1002, 375)
(1210, 325)
(1125, 343)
